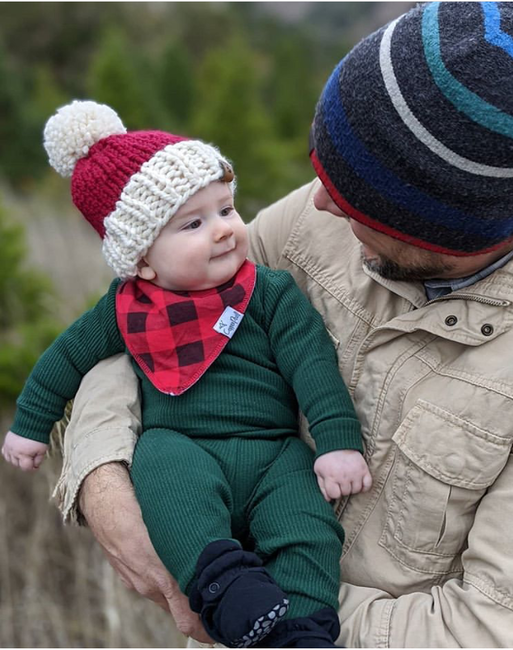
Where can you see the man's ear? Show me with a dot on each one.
(144, 270)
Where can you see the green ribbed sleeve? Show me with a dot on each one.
(56, 376)
(307, 360)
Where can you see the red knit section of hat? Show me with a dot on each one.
(99, 178)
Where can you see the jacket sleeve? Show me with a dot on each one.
(103, 428)
(308, 362)
(56, 376)
(475, 611)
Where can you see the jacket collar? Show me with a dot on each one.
(472, 316)
(442, 287)
(496, 286)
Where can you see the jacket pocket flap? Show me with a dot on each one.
(451, 449)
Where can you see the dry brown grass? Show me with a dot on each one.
(56, 589)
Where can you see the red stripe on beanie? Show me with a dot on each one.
(355, 214)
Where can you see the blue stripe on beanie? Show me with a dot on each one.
(493, 31)
(362, 202)
(463, 99)
(390, 135)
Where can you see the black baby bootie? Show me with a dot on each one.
(238, 601)
(320, 630)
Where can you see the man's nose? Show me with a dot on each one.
(323, 201)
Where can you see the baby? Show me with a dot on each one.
(226, 352)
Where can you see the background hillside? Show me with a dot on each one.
(245, 76)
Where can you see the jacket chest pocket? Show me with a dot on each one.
(442, 468)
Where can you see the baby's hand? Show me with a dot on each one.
(22, 452)
(342, 472)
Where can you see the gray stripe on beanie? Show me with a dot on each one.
(420, 132)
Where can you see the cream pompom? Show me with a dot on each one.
(74, 129)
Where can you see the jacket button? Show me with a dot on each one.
(451, 320)
(487, 329)
(214, 587)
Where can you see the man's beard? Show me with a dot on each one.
(390, 270)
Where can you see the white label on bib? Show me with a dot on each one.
(229, 321)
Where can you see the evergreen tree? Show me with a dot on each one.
(230, 113)
(175, 78)
(46, 95)
(20, 155)
(118, 77)
(204, 26)
(26, 325)
(293, 86)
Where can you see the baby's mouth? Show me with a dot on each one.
(223, 254)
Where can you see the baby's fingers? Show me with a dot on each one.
(356, 485)
(320, 481)
(11, 458)
(26, 463)
(367, 482)
(333, 489)
(38, 459)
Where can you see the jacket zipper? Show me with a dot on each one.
(470, 296)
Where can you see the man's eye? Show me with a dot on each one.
(193, 225)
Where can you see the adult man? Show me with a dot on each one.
(413, 143)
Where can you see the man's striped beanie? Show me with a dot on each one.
(413, 134)
(128, 185)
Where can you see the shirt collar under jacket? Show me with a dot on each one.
(437, 288)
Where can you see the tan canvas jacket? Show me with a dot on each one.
(428, 557)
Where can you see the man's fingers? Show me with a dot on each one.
(187, 621)
(159, 600)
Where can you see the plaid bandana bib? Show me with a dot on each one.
(175, 336)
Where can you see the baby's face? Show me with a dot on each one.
(203, 245)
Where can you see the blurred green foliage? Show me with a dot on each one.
(235, 74)
(26, 323)
(244, 76)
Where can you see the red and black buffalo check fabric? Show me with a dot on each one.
(170, 333)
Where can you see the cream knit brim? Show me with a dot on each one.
(152, 196)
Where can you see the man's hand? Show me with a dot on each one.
(22, 452)
(108, 503)
(342, 472)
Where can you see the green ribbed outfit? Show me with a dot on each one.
(232, 466)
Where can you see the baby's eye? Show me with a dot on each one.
(193, 225)
(225, 212)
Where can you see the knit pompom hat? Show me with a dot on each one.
(413, 134)
(128, 185)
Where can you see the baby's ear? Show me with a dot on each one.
(144, 270)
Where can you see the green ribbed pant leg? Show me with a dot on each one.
(296, 532)
(184, 497)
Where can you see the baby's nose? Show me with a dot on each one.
(223, 230)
